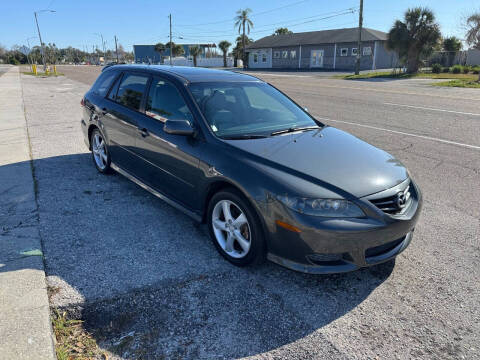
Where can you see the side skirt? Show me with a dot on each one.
(151, 190)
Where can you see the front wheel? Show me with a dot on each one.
(235, 228)
(100, 155)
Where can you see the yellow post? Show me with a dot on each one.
(34, 68)
(47, 70)
(55, 69)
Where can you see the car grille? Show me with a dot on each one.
(325, 259)
(390, 205)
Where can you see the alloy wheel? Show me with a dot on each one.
(99, 151)
(231, 229)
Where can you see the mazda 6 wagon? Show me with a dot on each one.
(270, 180)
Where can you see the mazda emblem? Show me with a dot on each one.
(401, 200)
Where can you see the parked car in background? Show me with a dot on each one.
(269, 179)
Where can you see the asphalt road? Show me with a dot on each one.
(149, 284)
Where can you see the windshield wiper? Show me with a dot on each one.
(244, 137)
(294, 129)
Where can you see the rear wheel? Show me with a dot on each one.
(235, 229)
(100, 155)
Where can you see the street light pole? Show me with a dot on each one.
(41, 42)
(40, 36)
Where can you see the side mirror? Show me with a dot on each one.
(178, 127)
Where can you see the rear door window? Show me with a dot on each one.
(103, 82)
(131, 90)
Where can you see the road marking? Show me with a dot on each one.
(433, 109)
(405, 133)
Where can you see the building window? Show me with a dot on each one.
(285, 54)
(354, 52)
(367, 51)
(264, 58)
(255, 58)
(276, 54)
(343, 52)
(293, 54)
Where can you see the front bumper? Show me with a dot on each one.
(340, 245)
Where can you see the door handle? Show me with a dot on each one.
(143, 132)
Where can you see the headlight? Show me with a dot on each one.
(322, 207)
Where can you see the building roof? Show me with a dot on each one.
(318, 37)
(190, 74)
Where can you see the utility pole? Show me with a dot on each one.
(116, 48)
(171, 51)
(359, 45)
(41, 42)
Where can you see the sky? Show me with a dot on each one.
(79, 23)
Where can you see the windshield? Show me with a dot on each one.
(249, 108)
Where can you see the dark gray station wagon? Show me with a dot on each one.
(269, 180)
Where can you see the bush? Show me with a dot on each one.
(476, 70)
(446, 69)
(457, 69)
(466, 69)
(13, 61)
(436, 68)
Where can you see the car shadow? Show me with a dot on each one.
(148, 283)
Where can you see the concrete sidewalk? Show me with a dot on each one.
(25, 329)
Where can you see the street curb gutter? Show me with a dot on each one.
(25, 326)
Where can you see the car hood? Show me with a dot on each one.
(332, 156)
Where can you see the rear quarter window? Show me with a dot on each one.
(103, 82)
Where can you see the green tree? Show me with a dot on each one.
(159, 48)
(243, 21)
(415, 37)
(195, 51)
(238, 49)
(473, 32)
(452, 45)
(282, 31)
(177, 49)
(224, 45)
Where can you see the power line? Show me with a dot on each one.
(253, 15)
(211, 34)
(187, 37)
(287, 22)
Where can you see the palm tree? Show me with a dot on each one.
(159, 48)
(224, 45)
(452, 45)
(473, 32)
(195, 51)
(241, 20)
(415, 37)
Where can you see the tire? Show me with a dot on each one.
(240, 228)
(100, 154)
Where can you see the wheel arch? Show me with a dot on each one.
(222, 184)
(90, 130)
